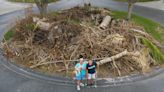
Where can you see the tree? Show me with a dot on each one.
(131, 4)
(42, 6)
(130, 8)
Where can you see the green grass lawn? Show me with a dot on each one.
(29, 1)
(151, 27)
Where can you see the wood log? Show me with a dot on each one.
(41, 24)
(124, 53)
(101, 62)
(105, 22)
(36, 19)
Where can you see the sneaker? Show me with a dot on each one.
(95, 86)
(85, 84)
(81, 84)
(78, 88)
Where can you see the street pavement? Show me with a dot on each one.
(6, 7)
(158, 4)
(151, 13)
(14, 82)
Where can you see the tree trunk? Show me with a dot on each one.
(117, 56)
(43, 9)
(130, 8)
(42, 6)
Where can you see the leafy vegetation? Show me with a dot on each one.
(151, 27)
(156, 53)
(9, 34)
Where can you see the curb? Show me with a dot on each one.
(102, 82)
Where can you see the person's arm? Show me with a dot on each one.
(87, 71)
(85, 65)
(77, 67)
(97, 67)
(73, 75)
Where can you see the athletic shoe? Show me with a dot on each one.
(85, 84)
(81, 84)
(95, 86)
(78, 87)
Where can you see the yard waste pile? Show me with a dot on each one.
(53, 44)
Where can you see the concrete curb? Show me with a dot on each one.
(102, 82)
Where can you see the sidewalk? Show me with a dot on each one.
(6, 7)
(153, 4)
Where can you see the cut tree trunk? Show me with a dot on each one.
(41, 24)
(105, 22)
(124, 53)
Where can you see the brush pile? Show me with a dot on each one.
(53, 44)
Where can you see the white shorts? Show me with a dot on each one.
(92, 76)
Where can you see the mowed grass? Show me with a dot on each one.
(30, 1)
(151, 27)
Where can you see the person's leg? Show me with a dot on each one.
(82, 83)
(94, 80)
(92, 77)
(78, 85)
(89, 79)
(85, 80)
(78, 82)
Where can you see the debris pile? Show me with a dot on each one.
(53, 44)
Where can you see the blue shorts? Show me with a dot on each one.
(81, 77)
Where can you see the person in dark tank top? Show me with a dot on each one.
(91, 72)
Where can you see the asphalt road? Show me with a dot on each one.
(13, 82)
(153, 14)
(7, 7)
